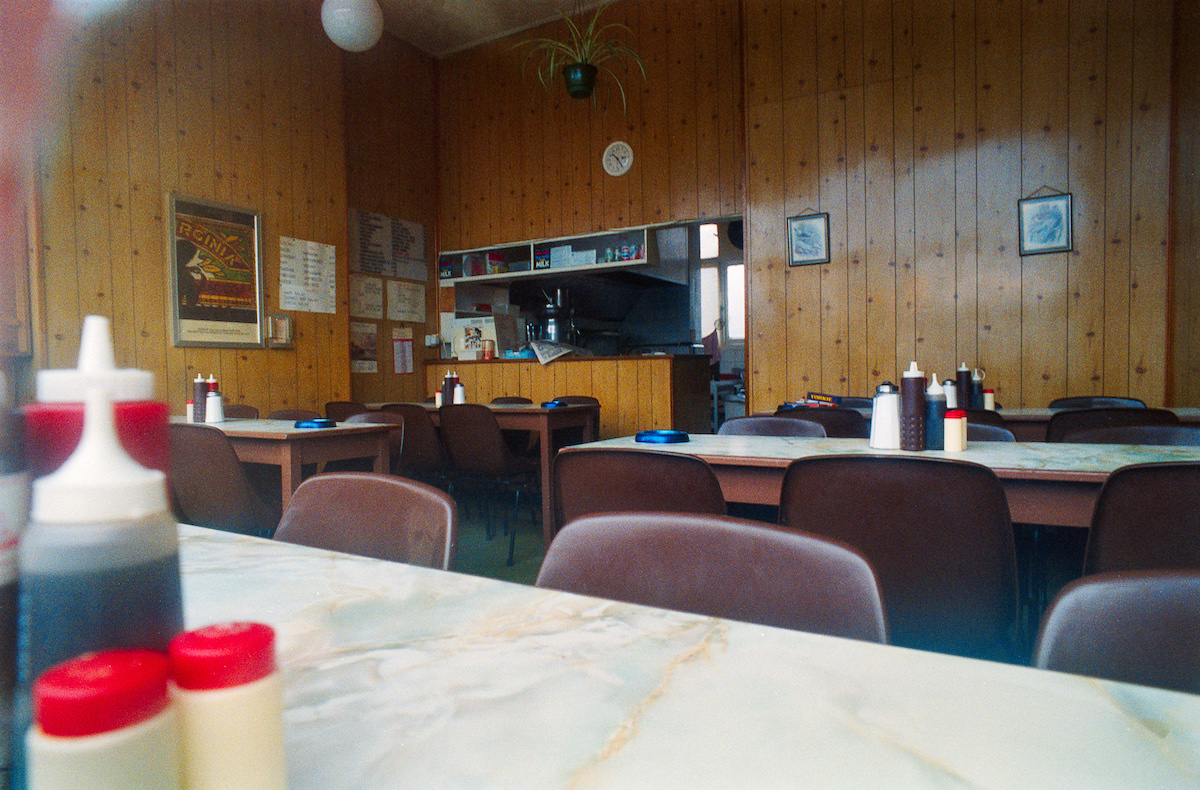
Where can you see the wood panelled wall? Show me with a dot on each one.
(918, 125)
(391, 169)
(1185, 211)
(230, 100)
(518, 162)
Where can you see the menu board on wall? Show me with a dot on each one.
(390, 247)
(366, 297)
(307, 276)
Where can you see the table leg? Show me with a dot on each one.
(545, 439)
(383, 453)
(289, 470)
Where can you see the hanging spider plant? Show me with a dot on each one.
(583, 55)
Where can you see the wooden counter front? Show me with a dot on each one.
(635, 393)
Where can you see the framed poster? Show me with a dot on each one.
(215, 273)
(808, 239)
(1045, 224)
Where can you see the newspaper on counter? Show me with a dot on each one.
(547, 351)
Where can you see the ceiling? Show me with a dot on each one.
(443, 27)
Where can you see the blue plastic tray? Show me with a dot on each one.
(661, 437)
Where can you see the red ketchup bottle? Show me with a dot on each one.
(54, 424)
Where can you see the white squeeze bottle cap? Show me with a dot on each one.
(99, 482)
(934, 388)
(96, 367)
(912, 371)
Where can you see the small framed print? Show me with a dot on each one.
(1045, 224)
(808, 239)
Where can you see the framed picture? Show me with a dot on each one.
(808, 239)
(1045, 224)
(215, 273)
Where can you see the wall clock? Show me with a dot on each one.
(618, 158)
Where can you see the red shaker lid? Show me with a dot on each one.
(223, 655)
(100, 692)
(991, 391)
(956, 414)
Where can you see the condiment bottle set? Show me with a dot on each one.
(916, 417)
(207, 404)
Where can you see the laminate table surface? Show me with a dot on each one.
(282, 444)
(402, 677)
(1046, 482)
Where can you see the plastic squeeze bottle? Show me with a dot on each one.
(99, 562)
(54, 424)
(935, 415)
(104, 721)
(912, 409)
(229, 699)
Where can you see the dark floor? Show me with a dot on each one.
(480, 555)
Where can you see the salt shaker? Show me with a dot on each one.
(885, 417)
(956, 431)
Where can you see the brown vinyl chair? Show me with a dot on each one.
(483, 459)
(1163, 435)
(936, 531)
(855, 402)
(981, 432)
(721, 567)
(342, 410)
(1135, 627)
(209, 486)
(1147, 517)
(838, 423)
(770, 426)
(241, 411)
(589, 481)
(1065, 422)
(523, 443)
(1097, 402)
(293, 414)
(422, 455)
(371, 515)
(512, 400)
(985, 417)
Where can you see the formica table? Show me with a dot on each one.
(282, 444)
(1046, 483)
(404, 677)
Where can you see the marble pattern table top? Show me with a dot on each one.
(403, 677)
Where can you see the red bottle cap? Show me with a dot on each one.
(224, 655)
(100, 692)
(956, 414)
(991, 391)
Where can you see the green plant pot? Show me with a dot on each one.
(581, 78)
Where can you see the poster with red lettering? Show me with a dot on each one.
(216, 274)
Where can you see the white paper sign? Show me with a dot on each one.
(364, 343)
(307, 276)
(366, 297)
(406, 301)
(402, 350)
(382, 245)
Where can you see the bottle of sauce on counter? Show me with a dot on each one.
(964, 388)
(104, 721)
(199, 398)
(54, 424)
(229, 698)
(912, 409)
(98, 564)
(935, 415)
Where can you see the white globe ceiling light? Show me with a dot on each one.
(354, 25)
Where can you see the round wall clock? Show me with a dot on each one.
(618, 158)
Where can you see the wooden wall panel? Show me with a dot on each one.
(966, 107)
(194, 97)
(1185, 198)
(683, 120)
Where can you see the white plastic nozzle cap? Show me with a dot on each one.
(99, 482)
(963, 366)
(96, 367)
(934, 387)
(912, 371)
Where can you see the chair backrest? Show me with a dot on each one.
(240, 411)
(1064, 422)
(422, 450)
(342, 410)
(936, 531)
(209, 486)
(473, 439)
(982, 432)
(770, 426)
(985, 417)
(577, 400)
(513, 400)
(1133, 627)
(1097, 402)
(855, 402)
(1173, 435)
(395, 435)
(839, 423)
(721, 567)
(591, 481)
(381, 516)
(293, 414)
(1147, 517)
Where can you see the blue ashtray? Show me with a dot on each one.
(661, 437)
(553, 404)
(320, 422)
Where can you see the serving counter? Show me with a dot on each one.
(403, 677)
(635, 393)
